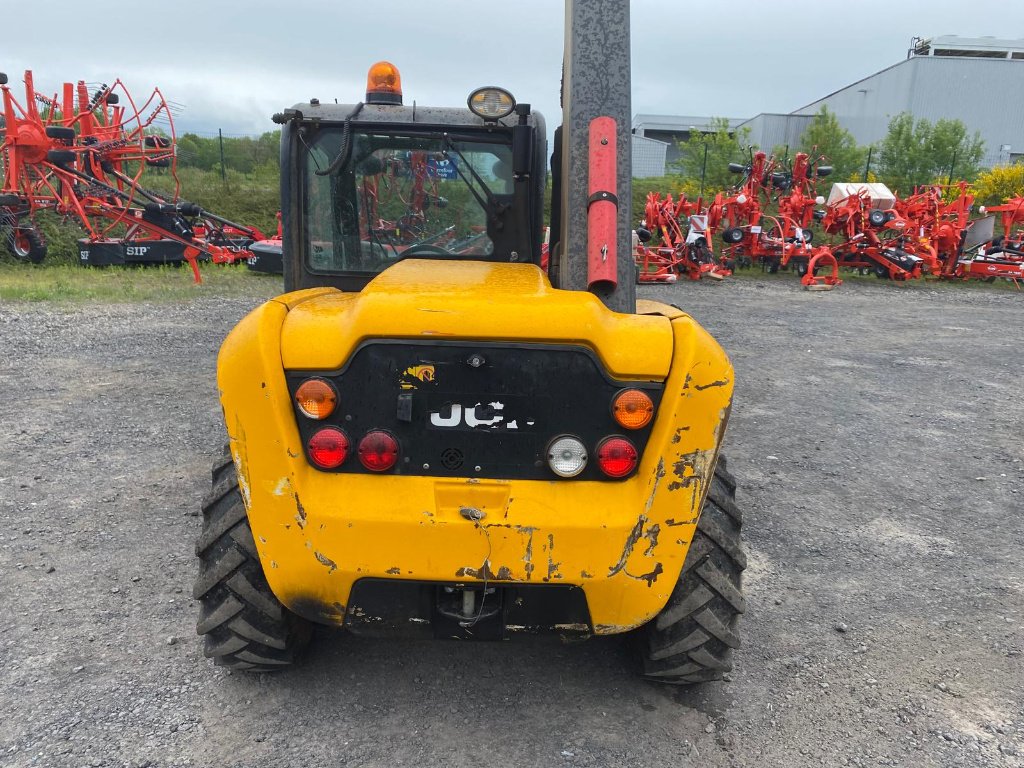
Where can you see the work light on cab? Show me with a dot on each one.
(316, 399)
(384, 84)
(616, 457)
(378, 451)
(491, 103)
(633, 409)
(328, 448)
(567, 456)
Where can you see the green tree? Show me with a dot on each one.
(954, 152)
(825, 136)
(917, 152)
(722, 147)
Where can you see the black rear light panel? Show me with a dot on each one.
(465, 410)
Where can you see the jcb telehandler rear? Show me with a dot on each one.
(427, 434)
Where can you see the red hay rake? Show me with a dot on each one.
(84, 155)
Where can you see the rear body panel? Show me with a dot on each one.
(621, 542)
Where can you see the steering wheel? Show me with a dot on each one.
(426, 249)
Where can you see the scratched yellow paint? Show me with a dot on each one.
(622, 542)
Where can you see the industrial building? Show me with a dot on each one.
(975, 80)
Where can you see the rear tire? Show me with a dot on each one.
(692, 639)
(26, 245)
(244, 624)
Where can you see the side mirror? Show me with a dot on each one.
(737, 168)
(643, 234)
(824, 170)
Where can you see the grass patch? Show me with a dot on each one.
(73, 284)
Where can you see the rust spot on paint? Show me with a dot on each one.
(652, 577)
(300, 514)
(627, 550)
(484, 572)
(679, 434)
(586, 575)
(326, 561)
(505, 573)
(611, 629)
(651, 534)
(686, 384)
(528, 557)
(696, 462)
(552, 565)
(719, 383)
(394, 571)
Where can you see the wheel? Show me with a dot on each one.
(60, 157)
(26, 245)
(160, 162)
(60, 133)
(244, 624)
(637, 266)
(692, 639)
(773, 266)
(9, 201)
(800, 266)
(877, 218)
(881, 272)
(733, 235)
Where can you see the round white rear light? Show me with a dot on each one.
(567, 456)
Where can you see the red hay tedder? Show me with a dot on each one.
(681, 252)
(776, 240)
(84, 155)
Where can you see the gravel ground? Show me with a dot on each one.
(876, 434)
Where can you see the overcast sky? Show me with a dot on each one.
(233, 65)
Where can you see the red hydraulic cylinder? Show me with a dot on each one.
(602, 206)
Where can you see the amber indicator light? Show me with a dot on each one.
(633, 409)
(316, 399)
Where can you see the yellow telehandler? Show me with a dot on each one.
(429, 433)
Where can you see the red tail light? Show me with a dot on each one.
(328, 448)
(378, 451)
(616, 456)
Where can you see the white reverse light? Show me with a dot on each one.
(567, 456)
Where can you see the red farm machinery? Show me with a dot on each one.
(83, 153)
(681, 251)
(767, 219)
